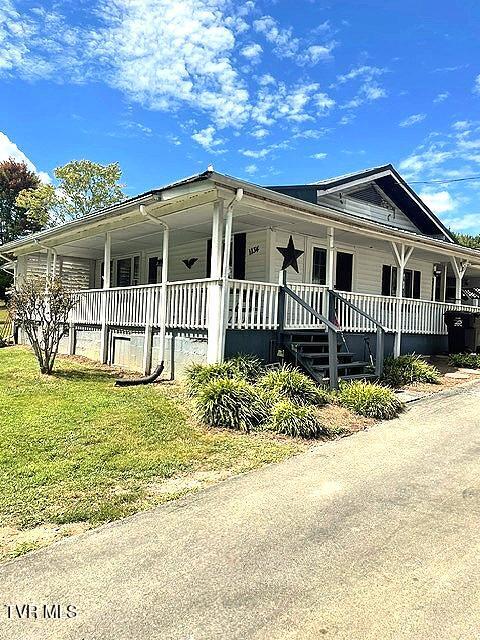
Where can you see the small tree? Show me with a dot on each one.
(41, 306)
(83, 187)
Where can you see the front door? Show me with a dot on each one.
(344, 271)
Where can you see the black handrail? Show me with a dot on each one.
(381, 330)
(332, 329)
(335, 294)
(310, 309)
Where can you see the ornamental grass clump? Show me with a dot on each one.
(370, 400)
(409, 369)
(231, 403)
(292, 419)
(465, 360)
(247, 366)
(198, 375)
(288, 383)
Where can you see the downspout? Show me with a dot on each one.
(55, 256)
(131, 382)
(225, 271)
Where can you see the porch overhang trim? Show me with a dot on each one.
(347, 222)
(98, 222)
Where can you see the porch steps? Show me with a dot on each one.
(309, 350)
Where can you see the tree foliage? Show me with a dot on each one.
(83, 188)
(15, 221)
(472, 242)
(41, 306)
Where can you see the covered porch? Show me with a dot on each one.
(205, 262)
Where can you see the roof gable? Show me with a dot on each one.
(382, 186)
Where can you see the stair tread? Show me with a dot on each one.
(306, 344)
(343, 365)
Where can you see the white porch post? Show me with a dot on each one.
(330, 271)
(459, 269)
(163, 307)
(225, 274)
(107, 252)
(48, 270)
(402, 255)
(215, 288)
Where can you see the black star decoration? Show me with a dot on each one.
(290, 255)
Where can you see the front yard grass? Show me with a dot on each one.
(76, 451)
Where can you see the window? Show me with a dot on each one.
(411, 282)
(319, 266)
(389, 280)
(124, 272)
(154, 270)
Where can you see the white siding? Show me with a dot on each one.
(76, 273)
(256, 261)
(280, 239)
(368, 271)
(369, 211)
(367, 263)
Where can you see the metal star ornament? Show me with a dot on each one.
(290, 255)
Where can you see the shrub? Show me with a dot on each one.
(231, 403)
(198, 375)
(408, 369)
(290, 384)
(370, 400)
(295, 420)
(465, 360)
(247, 366)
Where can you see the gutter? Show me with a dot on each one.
(367, 228)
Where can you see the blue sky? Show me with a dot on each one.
(272, 91)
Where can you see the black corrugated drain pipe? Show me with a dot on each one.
(134, 382)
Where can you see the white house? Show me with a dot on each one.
(197, 272)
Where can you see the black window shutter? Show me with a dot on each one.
(239, 251)
(417, 276)
(209, 257)
(386, 279)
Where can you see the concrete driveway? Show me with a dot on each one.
(372, 537)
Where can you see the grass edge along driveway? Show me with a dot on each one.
(75, 451)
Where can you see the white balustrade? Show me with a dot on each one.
(254, 305)
(296, 316)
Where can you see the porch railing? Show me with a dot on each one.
(254, 305)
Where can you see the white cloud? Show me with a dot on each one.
(461, 125)
(476, 86)
(255, 153)
(413, 119)
(438, 201)
(323, 102)
(364, 72)
(368, 92)
(9, 149)
(286, 45)
(441, 97)
(312, 134)
(468, 223)
(319, 156)
(160, 53)
(252, 52)
(251, 169)
(431, 158)
(206, 139)
(259, 133)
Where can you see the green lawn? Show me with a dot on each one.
(75, 449)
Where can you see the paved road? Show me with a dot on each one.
(376, 536)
